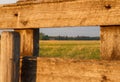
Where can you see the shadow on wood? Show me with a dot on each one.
(28, 69)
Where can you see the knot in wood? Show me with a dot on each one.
(108, 6)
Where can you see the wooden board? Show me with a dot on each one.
(29, 42)
(60, 70)
(9, 57)
(110, 42)
(48, 13)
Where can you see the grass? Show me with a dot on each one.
(70, 49)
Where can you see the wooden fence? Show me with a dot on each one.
(27, 16)
(60, 70)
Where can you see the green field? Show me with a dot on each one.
(70, 49)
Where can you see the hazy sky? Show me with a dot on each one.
(82, 31)
(7, 1)
(74, 31)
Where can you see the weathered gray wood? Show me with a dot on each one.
(29, 42)
(9, 58)
(50, 13)
(110, 42)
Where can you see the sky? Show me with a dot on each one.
(74, 31)
(7, 1)
(68, 31)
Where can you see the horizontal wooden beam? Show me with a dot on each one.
(36, 14)
(59, 70)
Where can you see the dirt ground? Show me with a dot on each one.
(69, 70)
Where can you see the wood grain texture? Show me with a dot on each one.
(9, 57)
(29, 42)
(110, 42)
(66, 70)
(35, 14)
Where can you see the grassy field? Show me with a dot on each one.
(70, 49)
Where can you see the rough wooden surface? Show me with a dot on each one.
(29, 42)
(9, 57)
(60, 70)
(35, 14)
(110, 42)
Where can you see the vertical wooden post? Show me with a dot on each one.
(29, 42)
(9, 58)
(110, 42)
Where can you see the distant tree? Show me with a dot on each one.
(46, 37)
(43, 36)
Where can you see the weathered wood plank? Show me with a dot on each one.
(9, 57)
(36, 14)
(60, 70)
(110, 42)
(29, 42)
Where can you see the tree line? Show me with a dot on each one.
(46, 37)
